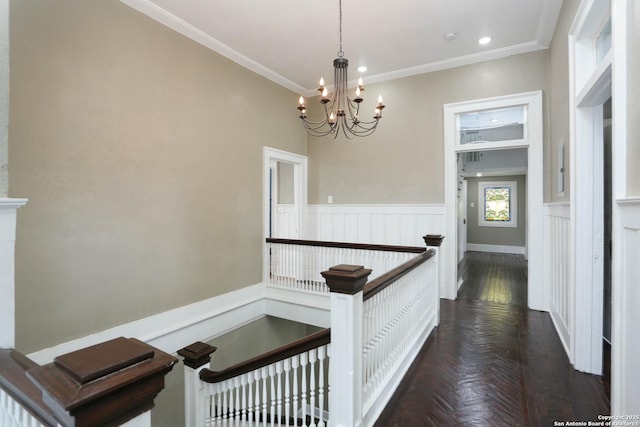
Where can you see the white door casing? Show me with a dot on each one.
(590, 85)
(537, 290)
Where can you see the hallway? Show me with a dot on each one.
(493, 362)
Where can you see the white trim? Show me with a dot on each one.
(170, 20)
(454, 62)
(499, 249)
(551, 7)
(537, 295)
(8, 217)
(429, 209)
(621, 331)
(299, 162)
(174, 329)
(513, 201)
(589, 88)
(11, 203)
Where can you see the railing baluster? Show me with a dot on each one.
(303, 370)
(272, 394)
(263, 376)
(312, 383)
(296, 365)
(287, 390)
(321, 358)
(279, 391)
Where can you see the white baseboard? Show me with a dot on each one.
(501, 249)
(177, 328)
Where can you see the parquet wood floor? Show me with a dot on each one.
(493, 362)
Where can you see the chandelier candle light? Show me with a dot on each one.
(341, 111)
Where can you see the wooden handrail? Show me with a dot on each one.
(381, 282)
(346, 245)
(296, 347)
(14, 380)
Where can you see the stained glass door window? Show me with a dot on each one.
(497, 204)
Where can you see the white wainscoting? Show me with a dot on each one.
(383, 224)
(625, 392)
(557, 224)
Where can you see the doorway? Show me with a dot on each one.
(284, 194)
(525, 135)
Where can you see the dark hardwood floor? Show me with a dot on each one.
(492, 361)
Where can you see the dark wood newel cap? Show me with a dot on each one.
(105, 384)
(433, 239)
(197, 354)
(346, 279)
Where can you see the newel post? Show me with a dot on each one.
(197, 357)
(345, 371)
(111, 383)
(434, 241)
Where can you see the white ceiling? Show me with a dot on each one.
(293, 42)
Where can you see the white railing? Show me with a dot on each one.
(394, 320)
(376, 332)
(293, 388)
(288, 385)
(12, 414)
(297, 264)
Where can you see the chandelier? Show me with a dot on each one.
(341, 112)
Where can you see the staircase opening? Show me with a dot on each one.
(241, 343)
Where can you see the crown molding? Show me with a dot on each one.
(181, 26)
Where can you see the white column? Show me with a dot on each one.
(197, 357)
(8, 208)
(345, 370)
(434, 241)
(194, 415)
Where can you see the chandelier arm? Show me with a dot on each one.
(316, 132)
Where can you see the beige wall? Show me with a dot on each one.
(402, 162)
(4, 98)
(633, 89)
(141, 154)
(558, 101)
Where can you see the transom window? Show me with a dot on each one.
(497, 202)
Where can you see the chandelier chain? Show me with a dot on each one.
(340, 52)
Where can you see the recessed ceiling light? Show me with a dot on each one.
(450, 36)
(362, 68)
(484, 40)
